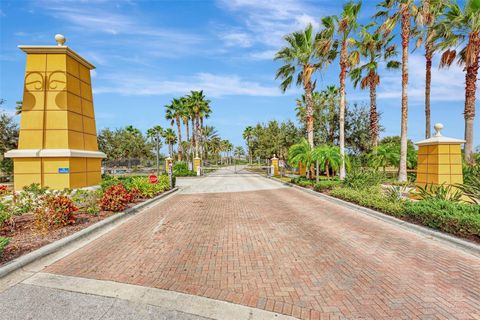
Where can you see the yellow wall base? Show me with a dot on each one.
(275, 166)
(79, 172)
(196, 164)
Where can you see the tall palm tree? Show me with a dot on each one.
(395, 11)
(186, 115)
(460, 30)
(210, 133)
(247, 135)
(377, 48)
(170, 138)
(173, 113)
(300, 61)
(427, 18)
(155, 134)
(197, 101)
(204, 114)
(344, 24)
(18, 107)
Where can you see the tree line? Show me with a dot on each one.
(440, 26)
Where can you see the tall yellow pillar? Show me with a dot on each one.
(58, 139)
(439, 160)
(197, 165)
(302, 169)
(275, 165)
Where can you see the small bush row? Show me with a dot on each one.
(180, 169)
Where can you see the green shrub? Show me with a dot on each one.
(180, 169)
(457, 218)
(324, 185)
(438, 192)
(5, 213)
(373, 198)
(87, 201)
(108, 182)
(3, 243)
(363, 179)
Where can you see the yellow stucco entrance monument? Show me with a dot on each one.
(439, 160)
(58, 140)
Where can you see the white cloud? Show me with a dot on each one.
(447, 84)
(237, 39)
(262, 55)
(214, 85)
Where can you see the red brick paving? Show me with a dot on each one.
(284, 251)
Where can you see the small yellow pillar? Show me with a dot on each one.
(197, 165)
(302, 169)
(275, 165)
(439, 160)
(168, 162)
(58, 139)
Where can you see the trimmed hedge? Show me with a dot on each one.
(324, 185)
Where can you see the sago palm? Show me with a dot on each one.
(460, 30)
(342, 27)
(394, 12)
(300, 62)
(376, 47)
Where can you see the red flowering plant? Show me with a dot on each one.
(3, 189)
(116, 198)
(57, 210)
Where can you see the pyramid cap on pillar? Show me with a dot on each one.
(60, 47)
(438, 138)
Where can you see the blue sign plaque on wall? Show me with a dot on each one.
(63, 170)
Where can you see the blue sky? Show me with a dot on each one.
(147, 52)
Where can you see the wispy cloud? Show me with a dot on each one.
(237, 39)
(213, 84)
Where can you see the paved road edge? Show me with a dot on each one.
(24, 260)
(467, 246)
(187, 303)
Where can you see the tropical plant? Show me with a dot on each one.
(199, 105)
(439, 192)
(170, 138)
(247, 135)
(155, 134)
(173, 112)
(301, 60)
(377, 48)
(343, 26)
(57, 210)
(3, 243)
(460, 31)
(393, 12)
(385, 155)
(301, 153)
(115, 198)
(328, 157)
(427, 18)
(363, 178)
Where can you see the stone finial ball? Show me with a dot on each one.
(60, 39)
(438, 127)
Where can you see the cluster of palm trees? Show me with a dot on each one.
(191, 111)
(440, 25)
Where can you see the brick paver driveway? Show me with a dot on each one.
(283, 250)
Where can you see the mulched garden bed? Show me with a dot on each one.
(24, 238)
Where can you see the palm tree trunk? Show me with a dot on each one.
(317, 169)
(327, 169)
(373, 112)
(187, 129)
(470, 90)
(158, 155)
(428, 81)
(343, 75)
(193, 136)
(197, 133)
(402, 170)
(202, 147)
(309, 111)
(180, 147)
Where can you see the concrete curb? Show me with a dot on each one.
(50, 248)
(467, 246)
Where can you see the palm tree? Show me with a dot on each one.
(377, 48)
(300, 61)
(173, 112)
(18, 107)
(247, 135)
(170, 138)
(185, 115)
(328, 157)
(395, 11)
(384, 155)
(427, 18)
(197, 101)
(345, 24)
(204, 114)
(460, 30)
(301, 153)
(210, 133)
(155, 135)
(238, 152)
